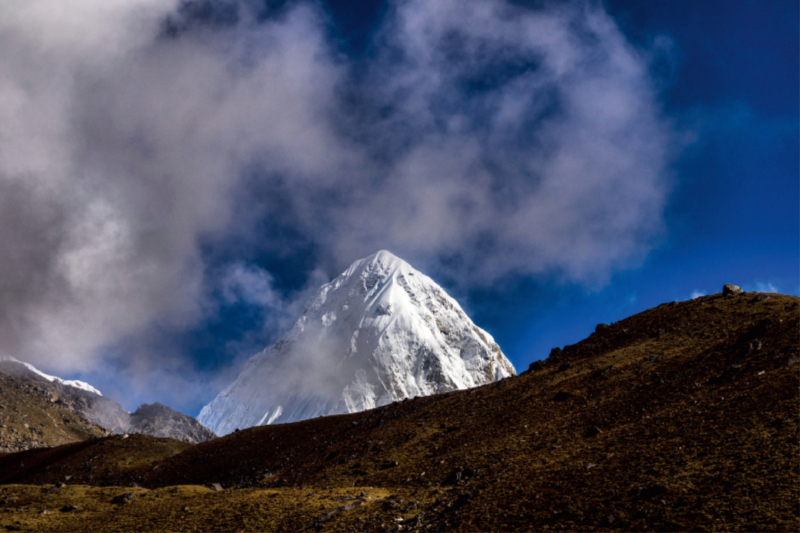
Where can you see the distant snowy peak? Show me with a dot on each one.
(380, 332)
(69, 382)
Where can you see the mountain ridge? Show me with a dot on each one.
(85, 401)
(380, 332)
(683, 417)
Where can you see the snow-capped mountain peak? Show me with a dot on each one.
(69, 382)
(380, 332)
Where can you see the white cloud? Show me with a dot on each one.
(481, 140)
(697, 294)
(766, 287)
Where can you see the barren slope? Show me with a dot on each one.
(683, 417)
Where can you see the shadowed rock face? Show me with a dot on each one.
(162, 421)
(156, 420)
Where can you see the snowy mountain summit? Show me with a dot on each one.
(378, 333)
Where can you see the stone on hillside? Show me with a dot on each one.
(562, 396)
(593, 431)
(602, 372)
(124, 498)
(730, 289)
(601, 327)
(535, 366)
(214, 486)
(565, 366)
(606, 521)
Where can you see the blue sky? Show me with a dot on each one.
(733, 215)
(180, 175)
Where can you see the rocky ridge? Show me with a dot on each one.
(681, 418)
(31, 418)
(157, 420)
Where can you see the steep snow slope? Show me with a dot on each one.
(378, 333)
(82, 385)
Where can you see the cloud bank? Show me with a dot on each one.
(480, 140)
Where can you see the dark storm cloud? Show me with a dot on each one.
(477, 138)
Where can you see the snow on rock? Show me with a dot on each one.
(380, 332)
(69, 382)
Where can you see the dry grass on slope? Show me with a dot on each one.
(684, 417)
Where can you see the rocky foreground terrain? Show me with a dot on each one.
(681, 418)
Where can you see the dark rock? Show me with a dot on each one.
(606, 521)
(593, 431)
(416, 521)
(761, 297)
(652, 491)
(454, 477)
(754, 346)
(216, 487)
(565, 366)
(602, 372)
(124, 498)
(69, 508)
(389, 464)
(465, 497)
(562, 396)
(731, 290)
(661, 332)
(536, 366)
(555, 353)
(779, 423)
(600, 327)
(563, 514)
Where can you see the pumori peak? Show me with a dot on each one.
(378, 333)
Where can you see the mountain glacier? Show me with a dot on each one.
(378, 333)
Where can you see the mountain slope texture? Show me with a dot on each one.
(680, 418)
(89, 405)
(380, 332)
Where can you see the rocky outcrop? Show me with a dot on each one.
(156, 420)
(161, 421)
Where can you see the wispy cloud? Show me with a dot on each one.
(480, 139)
(697, 294)
(766, 287)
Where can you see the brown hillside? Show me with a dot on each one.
(30, 418)
(683, 417)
